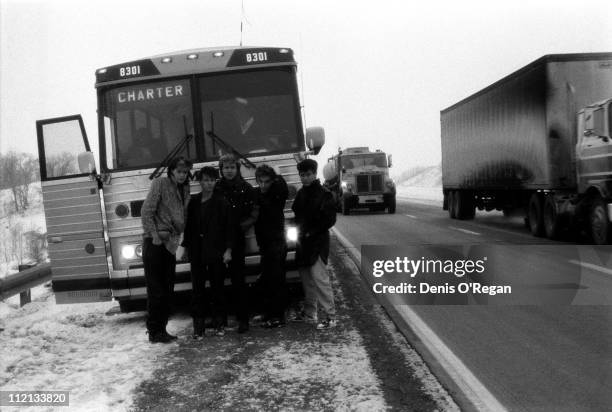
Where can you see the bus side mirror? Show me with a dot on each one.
(87, 163)
(389, 160)
(315, 138)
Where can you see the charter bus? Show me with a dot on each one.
(199, 104)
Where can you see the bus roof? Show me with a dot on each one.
(203, 60)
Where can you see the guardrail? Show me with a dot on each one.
(23, 281)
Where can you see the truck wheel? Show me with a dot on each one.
(552, 224)
(599, 223)
(464, 202)
(345, 207)
(391, 205)
(536, 220)
(452, 204)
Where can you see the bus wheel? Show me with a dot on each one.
(536, 220)
(598, 222)
(129, 305)
(552, 224)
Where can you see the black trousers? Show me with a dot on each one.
(160, 269)
(213, 271)
(239, 288)
(273, 278)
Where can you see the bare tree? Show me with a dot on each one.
(18, 171)
(61, 164)
(36, 245)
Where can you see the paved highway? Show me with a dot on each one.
(518, 357)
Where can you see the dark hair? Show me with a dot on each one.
(264, 170)
(306, 165)
(208, 171)
(178, 161)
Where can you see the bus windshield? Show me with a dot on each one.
(353, 161)
(143, 122)
(253, 112)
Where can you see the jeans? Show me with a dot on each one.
(317, 289)
(239, 288)
(214, 272)
(160, 269)
(273, 255)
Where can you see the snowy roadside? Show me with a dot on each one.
(294, 368)
(427, 195)
(90, 350)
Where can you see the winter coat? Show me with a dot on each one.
(209, 230)
(315, 214)
(270, 206)
(164, 209)
(241, 197)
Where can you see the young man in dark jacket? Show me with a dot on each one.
(241, 197)
(209, 242)
(270, 201)
(315, 214)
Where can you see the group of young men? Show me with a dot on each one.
(214, 223)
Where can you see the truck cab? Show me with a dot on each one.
(359, 178)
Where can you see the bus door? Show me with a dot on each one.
(71, 200)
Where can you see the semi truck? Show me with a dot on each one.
(359, 178)
(536, 141)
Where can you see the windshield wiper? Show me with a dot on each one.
(225, 144)
(177, 149)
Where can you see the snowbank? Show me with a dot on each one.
(91, 350)
(425, 186)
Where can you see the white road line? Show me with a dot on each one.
(591, 266)
(469, 232)
(411, 216)
(468, 383)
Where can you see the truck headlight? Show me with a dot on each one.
(292, 234)
(346, 186)
(390, 184)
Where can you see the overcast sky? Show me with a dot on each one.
(374, 73)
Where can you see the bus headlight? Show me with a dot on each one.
(138, 251)
(128, 252)
(292, 234)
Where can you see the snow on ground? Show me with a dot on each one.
(97, 355)
(13, 225)
(425, 187)
(286, 369)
